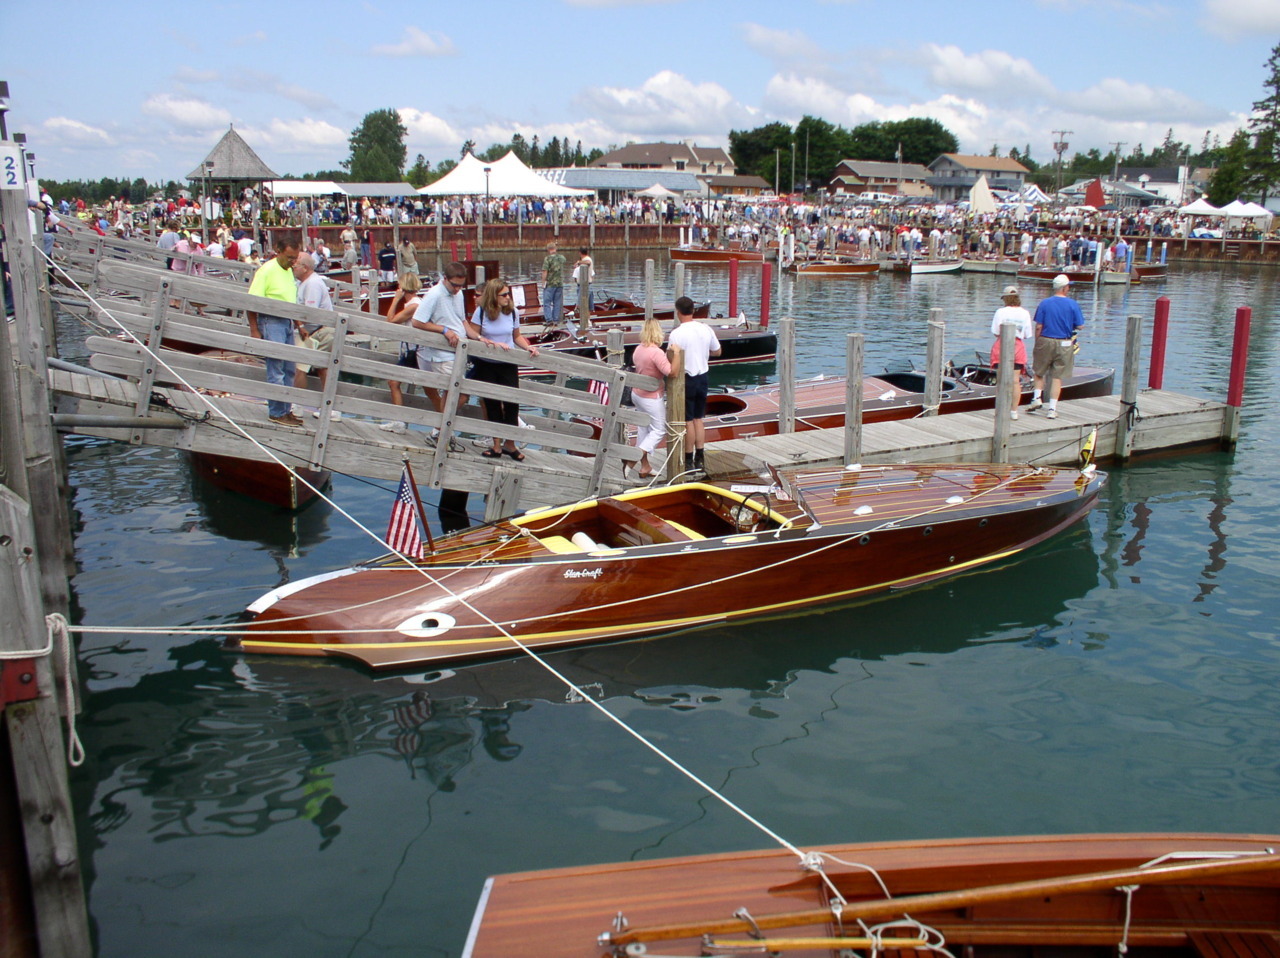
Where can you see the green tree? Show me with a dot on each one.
(535, 152)
(923, 139)
(469, 146)
(520, 147)
(552, 155)
(1264, 162)
(819, 150)
(441, 170)
(377, 146)
(419, 174)
(1231, 178)
(753, 153)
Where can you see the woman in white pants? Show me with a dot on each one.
(650, 360)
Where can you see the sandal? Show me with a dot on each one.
(491, 453)
(515, 454)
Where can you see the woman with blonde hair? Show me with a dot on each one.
(650, 360)
(496, 322)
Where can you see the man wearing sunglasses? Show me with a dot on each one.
(442, 311)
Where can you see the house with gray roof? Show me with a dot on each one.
(953, 174)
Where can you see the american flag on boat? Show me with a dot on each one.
(402, 530)
(599, 389)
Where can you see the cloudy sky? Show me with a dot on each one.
(146, 89)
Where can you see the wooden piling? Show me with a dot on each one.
(733, 288)
(1129, 389)
(648, 289)
(676, 425)
(1159, 339)
(854, 352)
(1239, 364)
(933, 363)
(787, 375)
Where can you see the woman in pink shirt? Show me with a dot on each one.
(651, 360)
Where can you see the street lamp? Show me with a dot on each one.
(486, 193)
(206, 206)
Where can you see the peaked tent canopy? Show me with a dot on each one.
(980, 198)
(1200, 207)
(233, 159)
(657, 190)
(1247, 211)
(1033, 194)
(507, 177)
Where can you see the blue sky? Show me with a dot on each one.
(146, 89)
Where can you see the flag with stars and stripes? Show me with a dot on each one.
(402, 530)
(600, 390)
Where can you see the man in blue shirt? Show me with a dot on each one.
(1057, 321)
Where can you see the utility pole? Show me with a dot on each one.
(1115, 171)
(1060, 145)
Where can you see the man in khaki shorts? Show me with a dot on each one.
(1058, 320)
(313, 291)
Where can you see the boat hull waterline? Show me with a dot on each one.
(656, 560)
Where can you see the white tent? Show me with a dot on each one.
(980, 198)
(1033, 194)
(1247, 211)
(506, 177)
(1200, 207)
(301, 188)
(657, 190)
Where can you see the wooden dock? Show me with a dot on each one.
(1164, 421)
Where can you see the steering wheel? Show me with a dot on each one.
(744, 518)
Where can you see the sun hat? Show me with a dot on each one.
(1061, 280)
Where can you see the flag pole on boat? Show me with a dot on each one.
(422, 516)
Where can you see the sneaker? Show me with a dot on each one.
(1034, 405)
(333, 414)
(288, 419)
(393, 426)
(1013, 414)
(1051, 414)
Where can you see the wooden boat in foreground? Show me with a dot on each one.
(749, 343)
(652, 560)
(267, 482)
(1083, 896)
(1107, 277)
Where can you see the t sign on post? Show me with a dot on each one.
(11, 171)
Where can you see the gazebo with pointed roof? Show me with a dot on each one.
(234, 160)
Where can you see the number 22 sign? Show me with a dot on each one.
(11, 171)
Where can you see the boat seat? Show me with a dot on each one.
(559, 544)
(635, 525)
(685, 529)
(1235, 944)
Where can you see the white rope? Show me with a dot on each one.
(1128, 890)
(519, 644)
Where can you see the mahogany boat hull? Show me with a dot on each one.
(267, 482)
(670, 558)
(827, 268)
(698, 254)
(1083, 276)
(1232, 903)
(738, 344)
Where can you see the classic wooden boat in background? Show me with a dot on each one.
(838, 267)
(653, 560)
(739, 343)
(925, 267)
(1074, 896)
(1083, 276)
(714, 254)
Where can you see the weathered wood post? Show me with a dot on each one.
(679, 280)
(584, 299)
(35, 553)
(733, 288)
(676, 425)
(648, 289)
(1004, 386)
(1239, 363)
(853, 363)
(787, 375)
(439, 217)
(766, 276)
(933, 363)
(1129, 389)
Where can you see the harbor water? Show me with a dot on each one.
(1124, 676)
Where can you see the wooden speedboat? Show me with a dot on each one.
(1190, 895)
(267, 482)
(1084, 276)
(653, 560)
(714, 254)
(838, 267)
(925, 267)
(738, 343)
(609, 307)
(820, 402)
(1146, 272)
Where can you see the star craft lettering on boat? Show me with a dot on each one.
(668, 558)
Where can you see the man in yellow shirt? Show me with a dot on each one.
(274, 280)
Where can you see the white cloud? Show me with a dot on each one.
(187, 74)
(186, 111)
(295, 136)
(1238, 18)
(991, 72)
(417, 43)
(782, 46)
(250, 39)
(668, 104)
(428, 133)
(1116, 99)
(64, 131)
